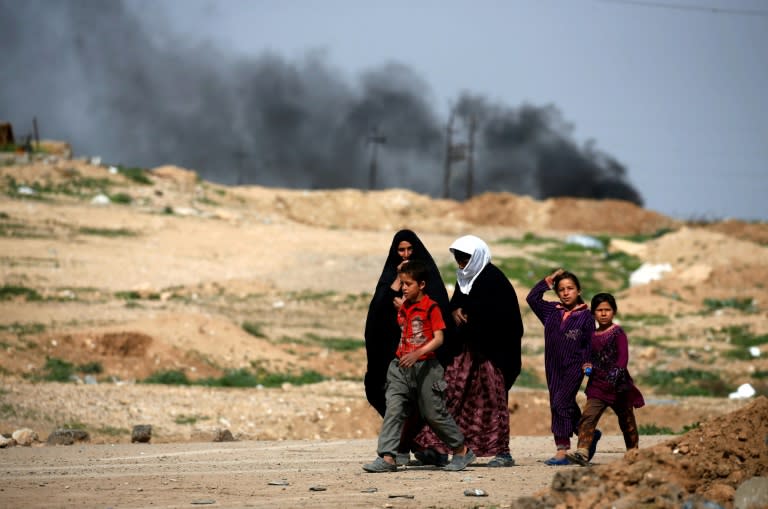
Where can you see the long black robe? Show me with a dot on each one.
(382, 333)
(494, 329)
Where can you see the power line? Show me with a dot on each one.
(688, 7)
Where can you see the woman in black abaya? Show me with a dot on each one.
(382, 333)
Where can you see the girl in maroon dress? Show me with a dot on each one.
(609, 382)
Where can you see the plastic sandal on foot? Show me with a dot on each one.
(460, 462)
(556, 462)
(402, 458)
(502, 460)
(379, 466)
(577, 458)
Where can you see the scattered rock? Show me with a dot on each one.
(223, 435)
(6, 442)
(752, 494)
(24, 436)
(68, 436)
(141, 433)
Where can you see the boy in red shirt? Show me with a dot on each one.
(415, 375)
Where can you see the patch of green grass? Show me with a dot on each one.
(527, 350)
(644, 237)
(134, 295)
(106, 232)
(653, 429)
(596, 268)
(138, 175)
(739, 335)
(337, 344)
(168, 377)
(20, 230)
(528, 378)
(246, 378)
(7, 410)
(237, 378)
(254, 329)
(642, 341)
(312, 295)
(74, 425)
(91, 368)
(645, 320)
(760, 374)
(57, 370)
(526, 240)
(189, 419)
(207, 201)
(746, 304)
(686, 382)
(112, 431)
(121, 198)
(22, 329)
(10, 292)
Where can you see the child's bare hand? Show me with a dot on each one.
(585, 366)
(556, 273)
(397, 302)
(409, 359)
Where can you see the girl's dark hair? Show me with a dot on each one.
(603, 297)
(572, 277)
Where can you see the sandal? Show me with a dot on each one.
(557, 462)
(577, 458)
(502, 460)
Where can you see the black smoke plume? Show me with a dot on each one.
(92, 73)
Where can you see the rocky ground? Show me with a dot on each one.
(184, 276)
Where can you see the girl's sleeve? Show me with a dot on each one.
(618, 375)
(589, 331)
(535, 299)
(622, 349)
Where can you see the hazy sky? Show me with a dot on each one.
(675, 91)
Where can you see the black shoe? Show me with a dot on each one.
(431, 457)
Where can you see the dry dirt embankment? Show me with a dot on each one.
(168, 281)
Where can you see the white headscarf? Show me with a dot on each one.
(480, 257)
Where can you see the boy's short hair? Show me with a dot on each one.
(417, 269)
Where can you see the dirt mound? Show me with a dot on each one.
(123, 344)
(709, 265)
(706, 464)
(564, 214)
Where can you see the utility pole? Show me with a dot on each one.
(37, 133)
(448, 158)
(471, 156)
(375, 139)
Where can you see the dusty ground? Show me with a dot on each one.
(167, 282)
(238, 474)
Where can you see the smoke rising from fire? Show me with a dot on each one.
(92, 73)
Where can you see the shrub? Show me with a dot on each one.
(169, 377)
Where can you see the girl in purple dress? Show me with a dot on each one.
(568, 328)
(609, 382)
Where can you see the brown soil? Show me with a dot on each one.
(137, 291)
